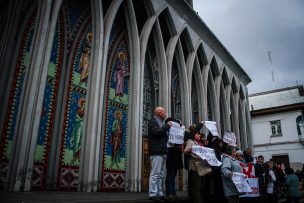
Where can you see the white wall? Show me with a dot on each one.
(287, 144)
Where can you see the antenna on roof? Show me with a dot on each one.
(272, 72)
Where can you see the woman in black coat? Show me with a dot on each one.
(174, 162)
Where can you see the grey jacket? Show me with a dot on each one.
(229, 165)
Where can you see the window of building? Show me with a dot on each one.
(276, 129)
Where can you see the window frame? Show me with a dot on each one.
(275, 128)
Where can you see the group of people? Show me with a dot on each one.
(206, 183)
(273, 180)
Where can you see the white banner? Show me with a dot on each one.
(239, 180)
(254, 185)
(229, 138)
(176, 134)
(206, 154)
(211, 125)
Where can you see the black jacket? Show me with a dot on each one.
(157, 138)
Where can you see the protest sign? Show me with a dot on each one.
(206, 154)
(229, 138)
(211, 126)
(176, 134)
(248, 169)
(240, 182)
(254, 185)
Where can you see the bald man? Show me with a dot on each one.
(157, 138)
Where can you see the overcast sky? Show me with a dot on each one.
(251, 28)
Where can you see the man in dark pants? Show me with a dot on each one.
(157, 139)
(260, 172)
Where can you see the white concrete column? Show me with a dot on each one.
(90, 151)
(185, 89)
(24, 144)
(248, 121)
(134, 139)
(164, 91)
(236, 117)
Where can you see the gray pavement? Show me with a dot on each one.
(83, 197)
(80, 197)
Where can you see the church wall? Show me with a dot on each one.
(84, 124)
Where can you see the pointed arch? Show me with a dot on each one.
(141, 13)
(78, 45)
(16, 85)
(223, 109)
(214, 67)
(234, 86)
(242, 118)
(166, 25)
(225, 77)
(201, 56)
(186, 43)
(232, 115)
(242, 93)
(211, 98)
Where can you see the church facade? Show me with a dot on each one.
(80, 80)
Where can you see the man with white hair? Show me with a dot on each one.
(157, 139)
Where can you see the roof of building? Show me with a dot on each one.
(196, 23)
(289, 96)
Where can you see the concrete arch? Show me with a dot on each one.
(91, 147)
(211, 95)
(214, 67)
(108, 24)
(8, 61)
(169, 20)
(200, 54)
(171, 49)
(194, 70)
(223, 109)
(134, 138)
(198, 79)
(28, 125)
(225, 77)
(242, 118)
(234, 85)
(181, 68)
(242, 92)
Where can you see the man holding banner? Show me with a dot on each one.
(174, 157)
(157, 139)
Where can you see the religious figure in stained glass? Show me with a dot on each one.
(76, 136)
(119, 76)
(85, 59)
(116, 138)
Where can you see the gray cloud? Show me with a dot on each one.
(249, 29)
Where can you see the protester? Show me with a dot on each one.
(248, 155)
(278, 185)
(240, 156)
(271, 179)
(229, 166)
(216, 186)
(292, 184)
(260, 174)
(187, 136)
(208, 177)
(173, 163)
(198, 168)
(157, 139)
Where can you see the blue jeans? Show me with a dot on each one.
(170, 182)
(157, 174)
